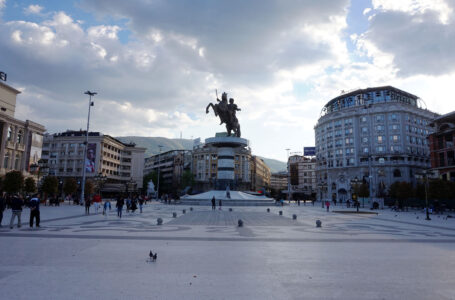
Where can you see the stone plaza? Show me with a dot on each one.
(203, 254)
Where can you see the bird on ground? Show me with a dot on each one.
(153, 256)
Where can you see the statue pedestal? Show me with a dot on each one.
(226, 146)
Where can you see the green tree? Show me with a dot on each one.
(89, 188)
(30, 185)
(187, 179)
(50, 185)
(363, 190)
(70, 186)
(13, 182)
(153, 176)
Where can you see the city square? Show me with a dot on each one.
(204, 254)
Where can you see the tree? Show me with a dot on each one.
(363, 190)
(153, 176)
(187, 179)
(89, 188)
(30, 185)
(50, 185)
(13, 182)
(70, 186)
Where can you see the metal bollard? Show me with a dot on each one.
(294, 217)
(318, 223)
(281, 212)
(191, 209)
(159, 221)
(174, 215)
(268, 209)
(230, 209)
(184, 211)
(240, 222)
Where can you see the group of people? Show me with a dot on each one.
(131, 203)
(16, 203)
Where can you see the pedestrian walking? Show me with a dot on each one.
(34, 210)
(141, 204)
(213, 203)
(298, 202)
(16, 207)
(220, 204)
(327, 204)
(87, 206)
(96, 202)
(106, 206)
(2, 208)
(119, 205)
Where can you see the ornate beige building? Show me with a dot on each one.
(260, 174)
(21, 141)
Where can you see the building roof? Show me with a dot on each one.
(449, 117)
(368, 90)
(9, 88)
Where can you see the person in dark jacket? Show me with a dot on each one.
(16, 207)
(34, 210)
(87, 206)
(119, 206)
(213, 203)
(2, 208)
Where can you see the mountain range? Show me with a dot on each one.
(152, 146)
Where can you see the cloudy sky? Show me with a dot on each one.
(156, 64)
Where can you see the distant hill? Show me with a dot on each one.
(151, 144)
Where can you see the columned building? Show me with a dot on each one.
(442, 146)
(374, 135)
(21, 141)
(121, 163)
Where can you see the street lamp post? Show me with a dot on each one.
(158, 180)
(289, 175)
(425, 174)
(90, 104)
(354, 183)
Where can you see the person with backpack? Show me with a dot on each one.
(34, 210)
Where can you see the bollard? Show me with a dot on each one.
(318, 223)
(240, 222)
(184, 211)
(230, 209)
(191, 209)
(268, 209)
(174, 215)
(159, 221)
(294, 217)
(281, 212)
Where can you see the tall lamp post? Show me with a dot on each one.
(289, 175)
(354, 183)
(158, 180)
(425, 174)
(90, 104)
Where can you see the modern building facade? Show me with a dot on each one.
(121, 163)
(260, 174)
(279, 181)
(21, 141)
(442, 146)
(375, 135)
(302, 176)
(170, 165)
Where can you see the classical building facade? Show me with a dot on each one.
(171, 165)
(442, 146)
(21, 141)
(302, 176)
(121, 163)
(376, 135)
(260, 174)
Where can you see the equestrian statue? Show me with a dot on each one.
(227, 113)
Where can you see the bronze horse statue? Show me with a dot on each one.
(226, 112)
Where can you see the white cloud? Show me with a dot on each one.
(33, 9)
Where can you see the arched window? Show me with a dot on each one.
(17, 162)
(10, 133)
(396, 173)
(6, 161)
(19, 137)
